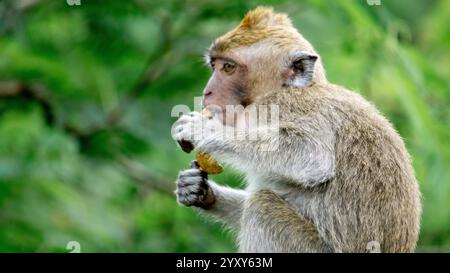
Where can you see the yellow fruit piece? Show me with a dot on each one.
(205, 161)
(207, 113)
(208, 164)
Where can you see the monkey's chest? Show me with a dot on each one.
(299, 198)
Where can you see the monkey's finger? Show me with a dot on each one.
(193, 189)
(181, 137)
(185, 200)
(189, 172)
(178, 129)
(188, 197)
(189, 181)
(184, 119)
(193, 117)
(194, 164)
(182, 127)
(195, 114)
(185, 133)
(177, 134)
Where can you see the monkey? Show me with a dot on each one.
(340, 177)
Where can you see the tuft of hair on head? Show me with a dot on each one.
(258, 24)
(261, 17)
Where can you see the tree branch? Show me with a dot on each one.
(35, 92)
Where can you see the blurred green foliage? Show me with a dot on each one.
(86, 94)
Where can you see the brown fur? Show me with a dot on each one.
(258, 24)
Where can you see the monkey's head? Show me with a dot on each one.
(263, 54)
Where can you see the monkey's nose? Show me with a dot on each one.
(207, 93)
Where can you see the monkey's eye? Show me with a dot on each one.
(228, 67)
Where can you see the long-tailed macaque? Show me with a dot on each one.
(340, 176)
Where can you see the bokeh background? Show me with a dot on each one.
(86, 94)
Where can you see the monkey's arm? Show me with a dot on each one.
(228, 205)
(281, 229)
(302, 154)
(301, 151)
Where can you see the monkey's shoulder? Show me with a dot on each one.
(331, 108)
(319, 97)
(321, 103)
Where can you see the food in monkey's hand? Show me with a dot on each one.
(208, 164)
(205, 161)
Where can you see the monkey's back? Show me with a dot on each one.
(374, 195)
(375, 192)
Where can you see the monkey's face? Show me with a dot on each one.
(240, 76)
(227, 87)
(265, 53)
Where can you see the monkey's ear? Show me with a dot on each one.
(301, 69)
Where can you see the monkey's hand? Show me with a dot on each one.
(195, 128)
(193, 188)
